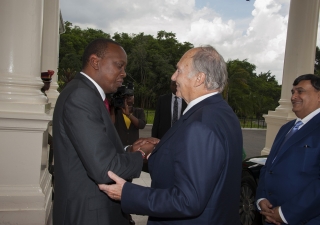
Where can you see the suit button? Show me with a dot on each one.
(269, 193)
(270, 172)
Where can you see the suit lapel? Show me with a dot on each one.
(85, 80)
(298, 136)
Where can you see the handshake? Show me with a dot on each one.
(144, 145)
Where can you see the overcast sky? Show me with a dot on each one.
(238, 29)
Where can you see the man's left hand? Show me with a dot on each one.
(113, 190)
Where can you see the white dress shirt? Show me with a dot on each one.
(103, 95)
(197, 100)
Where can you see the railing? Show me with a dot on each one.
(244, 122)
(259, 123)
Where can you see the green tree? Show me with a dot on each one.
(72, 45)
(265, 93)
(238, 75)
(151, 61)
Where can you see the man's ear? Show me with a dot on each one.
(94, 61)
(200, 78)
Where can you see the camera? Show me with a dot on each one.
(118, 98)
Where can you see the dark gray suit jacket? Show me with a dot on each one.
(86, 147)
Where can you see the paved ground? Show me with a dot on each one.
(253, 143)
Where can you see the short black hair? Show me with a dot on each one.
(97, 47)
(315, 80)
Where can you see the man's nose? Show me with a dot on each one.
(294, 95)
(123, 73)
(174, 76)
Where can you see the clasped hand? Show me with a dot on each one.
(146, 145)
(271, 213)
(114, 191)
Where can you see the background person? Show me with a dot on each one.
(129, 119)
(289, 184)
(196, 167)
(164, 112)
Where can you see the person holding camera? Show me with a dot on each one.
(128, 119)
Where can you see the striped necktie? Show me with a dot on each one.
(175, 110)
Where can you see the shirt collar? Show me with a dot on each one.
(173, 95)
(309, 117)
(103, 95)
(197, 100)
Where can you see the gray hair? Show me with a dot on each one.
(208, 61)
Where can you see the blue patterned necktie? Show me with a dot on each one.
(294, 129)
(175, 110)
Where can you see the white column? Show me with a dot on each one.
(21, 35)
(50, 46)
(25, 184)
(299, 60)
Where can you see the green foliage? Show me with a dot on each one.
(250, 94)
(72, 45)
(152, 61)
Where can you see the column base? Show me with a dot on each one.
(275, 120)
(27, 205)
(25, 183)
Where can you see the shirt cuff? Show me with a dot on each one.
(125, 148)
(282, 216)
(257, 203)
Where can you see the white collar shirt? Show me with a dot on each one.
(103, 95)
(197, 100)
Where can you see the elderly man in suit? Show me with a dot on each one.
(86, 144)
(169, 109)
(196, 167)
(289, 186)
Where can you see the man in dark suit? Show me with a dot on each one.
(164, 112)
(196, 167)
(86, 144)
(289, 186)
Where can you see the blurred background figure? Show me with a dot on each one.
(127, 118)
(169, 109)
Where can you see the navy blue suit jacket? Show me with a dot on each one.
(292, 181)
(195, 170)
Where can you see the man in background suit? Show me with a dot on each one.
(289, 185)
(86, 144)
(163, 117)
(196, 167)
